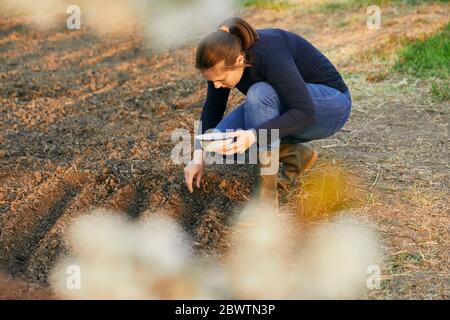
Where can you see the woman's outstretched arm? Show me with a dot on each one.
(213, 108)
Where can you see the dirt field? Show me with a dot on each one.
(86, 122)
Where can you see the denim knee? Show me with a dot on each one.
(261, 104)
(262, 93)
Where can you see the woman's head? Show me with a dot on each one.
(223, 55)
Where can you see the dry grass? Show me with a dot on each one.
(324, 191)
(415, 230)
(395, 146)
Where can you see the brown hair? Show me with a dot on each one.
(221, 45)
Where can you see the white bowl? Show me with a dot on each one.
(210, 142)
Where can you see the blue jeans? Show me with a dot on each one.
(332, 109)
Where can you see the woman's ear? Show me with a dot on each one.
(240, 60)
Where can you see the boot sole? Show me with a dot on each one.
(311, 161)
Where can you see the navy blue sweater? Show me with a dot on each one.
(286, 61)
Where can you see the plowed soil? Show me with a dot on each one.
(86, 121)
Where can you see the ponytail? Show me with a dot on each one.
(243, 30)
(226, 46)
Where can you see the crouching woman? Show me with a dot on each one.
(290, 86)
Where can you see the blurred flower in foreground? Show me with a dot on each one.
(270, 260)
(119, 259)
(153, 259)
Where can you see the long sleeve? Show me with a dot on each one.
(280, 71)
(213, 109)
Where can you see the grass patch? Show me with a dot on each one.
(427, 58)
(325, 191)
(329, 6)
(440, 93)
(267, 4)
(402, 261)
(341, 5)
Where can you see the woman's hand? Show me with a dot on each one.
(194, 170)
(245, 138)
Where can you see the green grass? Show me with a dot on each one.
(441, 92)
(422, 1)
(329, 6)
(341, 5)
(427, 58)
(267, 4)
(400, 261)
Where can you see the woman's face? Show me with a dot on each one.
(226, 78)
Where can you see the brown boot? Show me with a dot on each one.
(296, 159)
(266, 178)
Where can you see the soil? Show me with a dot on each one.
(86, 121)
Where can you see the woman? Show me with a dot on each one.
(289, 85)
